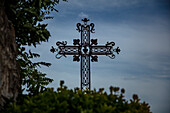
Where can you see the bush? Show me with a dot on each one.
(77, 101)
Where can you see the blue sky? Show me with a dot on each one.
(141, 28)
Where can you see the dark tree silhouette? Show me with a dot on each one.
(9, 71)
(21, 23)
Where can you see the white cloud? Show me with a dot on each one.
(164, 76)
(104, 4)
(83, 15)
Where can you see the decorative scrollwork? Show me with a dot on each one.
(76, 41)
(76, 58)
(92, 28)
(94, 58)
(85, 20)
(63, 43)
(59, 51)
(94, 42)
(112, 56)
(53, 49)
(78, 27)
(58, 55)
(110, 44)
(117, 50)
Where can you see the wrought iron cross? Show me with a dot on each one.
(85, 50)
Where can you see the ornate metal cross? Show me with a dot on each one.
(85, 50)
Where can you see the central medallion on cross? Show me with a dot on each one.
(85, 50)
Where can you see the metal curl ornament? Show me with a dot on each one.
(112, 56)
(78, 27)
(92, 28)
(110, 44)
(61, 43)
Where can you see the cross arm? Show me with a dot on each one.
(64, 49)
(68, 50)
(107, 50)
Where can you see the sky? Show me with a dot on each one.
(141, 28)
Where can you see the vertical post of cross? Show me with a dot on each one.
(85, 57)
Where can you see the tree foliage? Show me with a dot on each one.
(27, 17)
(77, 101)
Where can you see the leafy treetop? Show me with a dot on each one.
(27, 18)
(77, 101)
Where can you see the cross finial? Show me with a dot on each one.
(85, 20)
